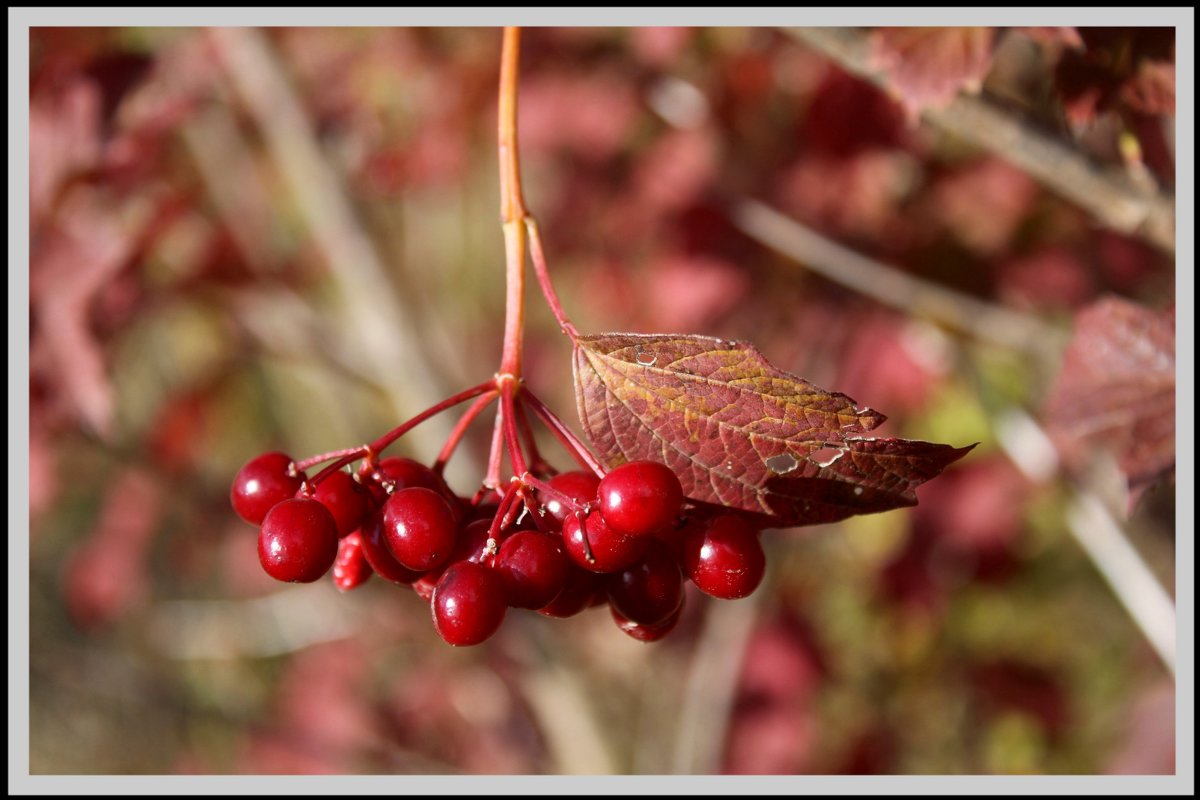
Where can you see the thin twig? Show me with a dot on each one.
(383, 326)
(893, 287)
(711, 685)
(1098, 533)
(1109, 196)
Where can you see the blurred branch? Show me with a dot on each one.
(372, 308)
(890, 286)
(711, 685)
(1099, 534)
(1109, 196)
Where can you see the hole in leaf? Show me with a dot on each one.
(645, 360)
(826, 456)
(781, 464)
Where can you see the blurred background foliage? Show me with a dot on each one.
(287, 238)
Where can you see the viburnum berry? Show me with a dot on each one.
(468, 604)
(580, 587)
(532, 567)
(646, 633)
(419, 527)
(597, 547)
(262, 483)
(377, 554)
(346, 499)
(298, 541)
(640, 497)
(649, 591)
(578, 485)
(724, 557)
(351, 569)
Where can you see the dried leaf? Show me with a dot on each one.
(929, 66)
(740, 433)
(1117, 389)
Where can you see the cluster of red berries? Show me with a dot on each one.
(628, 539)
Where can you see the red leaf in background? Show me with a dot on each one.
(929, 66)
(983, 203)
(690, 291)
(740, 433)
(1052, 278)
(890, 360)
(1134, 66)
(1007, 684)
(1152, 89)
(603, 108)
(1066, 36)
(659, 46)
(848, 116)
(1117, 390)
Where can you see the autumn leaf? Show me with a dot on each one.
(1117, 390)
(929, 66)
(740, 433)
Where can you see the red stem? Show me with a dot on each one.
(460, 429)
(538, 256)
(564, 435)
(382, 442)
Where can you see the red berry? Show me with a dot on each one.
(649, 591)
(345, 498)
(425, 584)
(533, 568)
(351, 569)
(468, 604)
(261, 484)
(640, 497)
(298, 541)
(579, 588)
(472, 539)
(378, 555)
(724, 558)
(419, 527)
(579, 486)
(603, 549)
(646, 633)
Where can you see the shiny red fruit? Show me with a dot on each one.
(351, 569)
(298, 541)
(724, 558)
(346, 499)
(261, 484)
(602, 549)
(640, 497)
(579, 588)
(649, 591)
(419, 527)
(532, 567)
(468, 604)
(579, 486)
(377, 554)
(646, 633)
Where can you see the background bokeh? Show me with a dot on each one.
(245, 240)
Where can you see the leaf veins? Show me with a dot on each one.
(740, 433)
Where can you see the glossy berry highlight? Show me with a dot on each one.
(468, 604)
(724, 557)
(298, 541)
(261, 484)
(419, 528)
(640, 497)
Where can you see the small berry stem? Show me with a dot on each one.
(564, 435)
(382, 442)
(512, 439)
(552, 493)
(312, 461)
(538, 256)
(536, 462)
(491, 480)
(460, 429)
